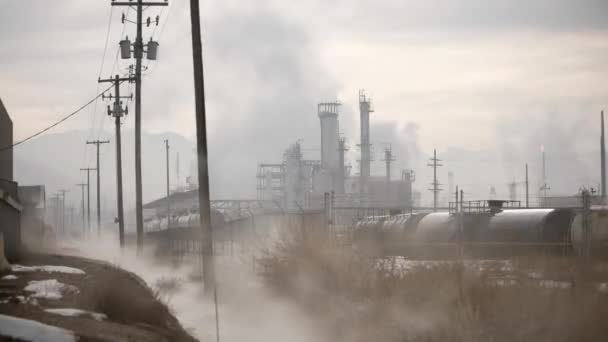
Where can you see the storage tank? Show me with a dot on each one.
(598, 222)
(435, 227)
(528, 225)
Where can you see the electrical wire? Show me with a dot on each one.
(103, 59)
(8, 147)
(124, 25)
(150, 70)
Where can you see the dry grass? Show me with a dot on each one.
(360, 301)
(126, 299)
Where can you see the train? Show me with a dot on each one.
(494, 231)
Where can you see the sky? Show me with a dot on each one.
(486, 83)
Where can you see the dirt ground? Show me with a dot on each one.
(133, 311)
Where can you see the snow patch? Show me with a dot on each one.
(49, 289)
(9, 277)
(77, 312)
(47, 268)
(554, 284)
(25, 329)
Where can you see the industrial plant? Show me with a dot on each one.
(380, 209)
(298, 183)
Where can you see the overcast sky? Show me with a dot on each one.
(502, 77)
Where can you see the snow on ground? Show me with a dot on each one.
(49, 289)
(402, 265)
(554, 284)
(9, 277)
(76, 313)
(27, 330)
(47, 268)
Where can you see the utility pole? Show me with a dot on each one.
(118, 112)
(151, 54)
(513, 191)
(603, 160)
(201, 146)
(342, 148)
(388, 159)
(434, 164)
(88, 170)
(62, 191)
(97, 143)
(586, 222)
(84, 224)
(168, 186)
(55, 202)
(527, 185)
(544, 187)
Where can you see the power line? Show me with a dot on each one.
(162, 29)
(105, 48)
(103, 59)
(92, 120)
(56, 123)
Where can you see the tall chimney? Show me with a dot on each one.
(603, 158)
(328, 115)
(365, 108)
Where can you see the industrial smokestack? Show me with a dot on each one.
(603, 157)
(341, 175)
(328, 115)
(365, 108)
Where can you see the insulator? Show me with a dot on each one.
(148, 22)
(157, 20)
(152, 50)
(109, 111)
(123, 18)
(126, 110)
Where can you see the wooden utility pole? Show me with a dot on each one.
(88, 170)
(139, 52)
(168, 186)
(62, 191)
(527, 185)
(586, 222)
(84, 224)
(201, 147)
(435, 189)
(118, 112)
(97, 143)
(603, 159)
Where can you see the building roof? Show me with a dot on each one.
(3, 111)
(8, 199)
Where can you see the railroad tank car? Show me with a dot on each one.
(185, 220)
(598, 224)
(514, 230)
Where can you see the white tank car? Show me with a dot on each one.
(598, 222)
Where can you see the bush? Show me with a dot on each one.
(365, 299)
(125, 299)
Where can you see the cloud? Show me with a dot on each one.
(442, 74)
